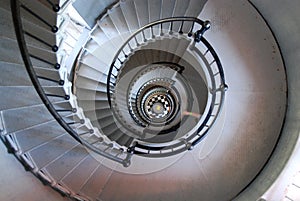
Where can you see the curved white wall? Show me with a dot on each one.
(284, 20)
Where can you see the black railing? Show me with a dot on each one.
(182, 25)
(121, 55)
(188, 27)
(17, 8)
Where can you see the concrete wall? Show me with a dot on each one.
(284, 19)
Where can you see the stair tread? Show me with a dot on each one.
(93, 105)
(85, 82)
(43, 54)
(91, 73)
(9, 51)
(59, 146)
(37, 135)
(90, 90)
(124, 139)
(155, 10)
(77, 178)
(97, 114)
(118, 19)
(63, 165)
(94, 62)
(128, 10)
(13, 75)
(142, 12)
(84, 94)
(96, 181)
(17, 115)
(17, 97)
(116, 135)
(41, 10)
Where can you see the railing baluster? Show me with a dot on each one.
(60, 82)
(191, 31)
(171, 28)
(152, 32)
(54, 28)
(66, 97)
(136, 41)
(54, 48)
(16, 8)
(143, 33)
(181, 28)
(55, 7)
(198, 37)
(56, 65)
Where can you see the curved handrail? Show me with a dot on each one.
(15, 5)
(205, 26)
(15, 8)
(195, 138)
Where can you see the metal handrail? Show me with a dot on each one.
(16, 5)
(194, 139)
(205, 26)
(198, 37)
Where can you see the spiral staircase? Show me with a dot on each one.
(150, 100)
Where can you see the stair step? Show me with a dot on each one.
(86, 83)
(110, 129)
(47, 73)
(179, 11)
(180, 8)
(107, 122)
(99, 36)
(182, 48)
(9, 51)
(72, 117)
(97, 114)
(116, 135)
(48, 56)
(118, 19)
(13, 75)
(93, 105)
(125, 140)
(103, 122)
(47, 153)
(41, 10)
(81, 173)
(141, 8)
(43, 34)
(92, 74)
(167, 8)
(5, 4)
(93, 62)
(155, 10)
(96, 88)
(31, 137)
(56, 90)
(16, 97)
(195, 7)
(8, 31)
(96, 182)
(62, 166)
(83, 94)
(130, 15)
(173, 46)
(106, 57)
(129, 142)
(37, 115)
(107, 26)
(6, 24)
